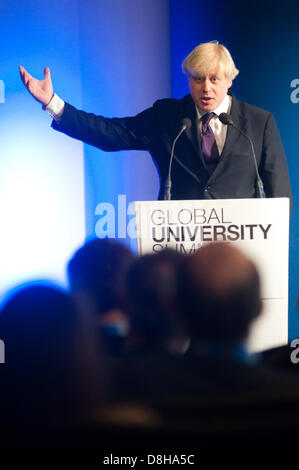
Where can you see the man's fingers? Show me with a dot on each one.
(39, 89)
(22, 72)
(25, 76)
(47, 73)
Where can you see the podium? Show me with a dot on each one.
(258, 227)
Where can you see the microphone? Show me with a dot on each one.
(186, 124)
(227, 120)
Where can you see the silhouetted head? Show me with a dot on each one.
(51, 374)
(152, 290)
(219, 293)
(99, 268)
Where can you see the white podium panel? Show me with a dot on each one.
(258, 227)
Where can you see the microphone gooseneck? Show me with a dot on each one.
(186, 124)
(227, 120)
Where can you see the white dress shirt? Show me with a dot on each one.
(55, 107)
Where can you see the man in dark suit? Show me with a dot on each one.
(211, 160)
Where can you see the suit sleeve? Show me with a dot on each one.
(109, 134)
(274, 169)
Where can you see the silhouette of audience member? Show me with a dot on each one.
(52, 379)
(225, 397)
(220, 297)
(157, 337)
(97, 274)
(155, 323)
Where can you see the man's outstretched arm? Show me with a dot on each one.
(106, 133)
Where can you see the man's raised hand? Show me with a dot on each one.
(41, 90)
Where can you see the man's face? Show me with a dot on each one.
(209, 91)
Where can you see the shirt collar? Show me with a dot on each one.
(224, 107)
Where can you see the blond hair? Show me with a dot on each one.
(209, 57)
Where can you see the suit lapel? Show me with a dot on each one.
(191, 134)
(232, 136)
(193, 161)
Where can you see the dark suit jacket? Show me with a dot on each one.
(155, 129)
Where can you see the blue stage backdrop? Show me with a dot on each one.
(125, 67)
(106, 57)
(117, 58)
(263, 38)
(41, 173)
